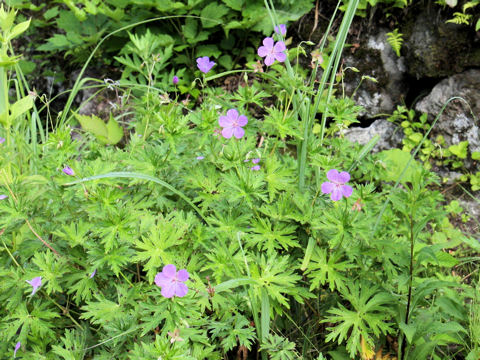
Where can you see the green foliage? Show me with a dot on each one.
(433, 152)
(387, 4)
(463, 17)
(109, 133)
(395, 39)
(275, 267)
(173, 42)
(369, 314)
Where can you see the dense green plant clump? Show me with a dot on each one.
(242, 228)
(183, 31)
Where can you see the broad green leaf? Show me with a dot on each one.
(409, 331)
(445, 259)
(189, 30)
(395, 162)
(208, 50)
(18, 29)
(212, 14)
(21, 106)
(235, 4)
(114, 131)
(93, 124)
(460, 149)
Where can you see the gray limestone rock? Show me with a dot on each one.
(375, 58)
(434, 48)
(459, 121)
(390, 135)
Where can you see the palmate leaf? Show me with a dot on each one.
(235, 330)
(155, 248)
(73, 343)
(279, 176)
(244, 185)
(370, 313)
(332, 271)
(102, 311)
(274, 236)
(37, 323)
(276, 275)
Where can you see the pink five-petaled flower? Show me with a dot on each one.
(68, 170)
(336, 186)
(172, 282)
(204, 64)
(36, 282)
(17, 346)
(281, 29)
(271, 51)
(232, 124)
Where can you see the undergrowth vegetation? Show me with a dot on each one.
(239, 226)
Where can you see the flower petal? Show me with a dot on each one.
(327, 187)
(161, 280)
(168, 290)
(279, 47)
(225, 121)
(227, 132)
(269, 59)
(181, 289)
(346, 190)
(344, 177)
(281, 29)
(336, 193)
(183, 275)
(280, 56)
(169, 271)
(232, 114)
(238, 132)
(332, 175)
(242, 120)
(262, 51)
(268, 43)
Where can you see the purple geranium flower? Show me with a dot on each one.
(2, 140)
(175, 80)
(172, 282)
(232, 124)
(93, 273)
(17, 346)
(68, 170)
(271, 51)
(336, 186)
(204, 64)
(3, 197)
(256, 161)
(255, 168)
(281, 29)
(36, 282)
(200, 157)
